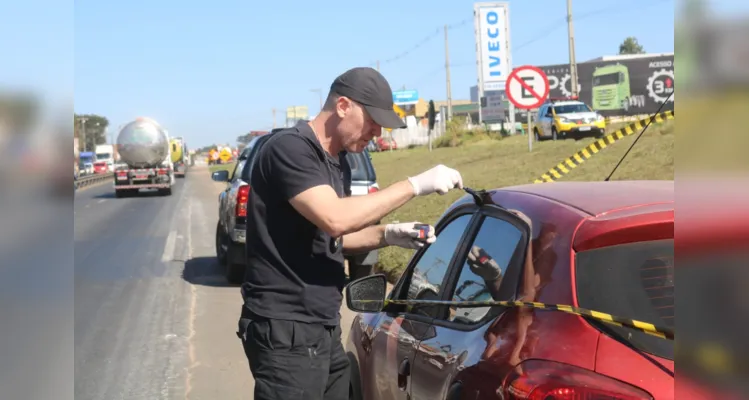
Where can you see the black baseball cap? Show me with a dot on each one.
(369, 88)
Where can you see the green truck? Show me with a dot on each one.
(610, 88)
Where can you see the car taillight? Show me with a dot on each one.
(373, 189)
(243, 193)
(162, 171)
(542, 380)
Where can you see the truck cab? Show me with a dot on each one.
(105, 152)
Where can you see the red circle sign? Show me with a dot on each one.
(517, 85)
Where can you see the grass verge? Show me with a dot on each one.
(218, 167)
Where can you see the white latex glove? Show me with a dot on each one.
(439, 179)
(483, 265)
(406, 236)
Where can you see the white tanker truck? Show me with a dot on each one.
(145, 159)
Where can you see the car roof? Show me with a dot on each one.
(566, 103)
(596, 198)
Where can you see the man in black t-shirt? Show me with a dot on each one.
(300, 222)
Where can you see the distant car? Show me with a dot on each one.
(384, 144)
(603, 246)
(101, 167)
(231, 226)
(563, 118)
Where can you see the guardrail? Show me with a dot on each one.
(92, 179)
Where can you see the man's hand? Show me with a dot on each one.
(439, 179)
(408, 235)
(483, 265)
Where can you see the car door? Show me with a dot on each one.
(538, 123)
(488, 267)
(399, 329)
(547, 119)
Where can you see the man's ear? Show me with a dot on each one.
(342, 106)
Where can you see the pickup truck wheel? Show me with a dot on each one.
(220, 243)
(235, 273)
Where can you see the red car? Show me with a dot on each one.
(101, 167)
(603, 246)
(384, 144)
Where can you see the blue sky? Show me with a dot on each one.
(212, 72)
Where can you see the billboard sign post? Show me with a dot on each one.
(492, 30)
(295, 114)
(405, 97)
(527, 88)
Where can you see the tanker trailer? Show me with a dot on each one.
(145, 159)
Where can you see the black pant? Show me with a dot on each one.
(294, 360)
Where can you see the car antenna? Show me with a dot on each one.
(650, 120)
(478, 195)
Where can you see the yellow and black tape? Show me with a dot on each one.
(659, 331)
(564, 167)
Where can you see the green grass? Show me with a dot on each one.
(495, 163)
(218, 167)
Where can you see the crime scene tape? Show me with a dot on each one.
(564, 167)
(645, 327)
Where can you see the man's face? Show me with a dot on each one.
(355, 127)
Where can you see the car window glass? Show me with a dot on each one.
(238, 167)
(429, 271)
(357, 170)
(483, 268)
(246, 172)
(632, 280)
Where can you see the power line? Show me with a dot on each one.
(561, 22)
(437, 31)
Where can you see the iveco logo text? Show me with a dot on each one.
(493, 45)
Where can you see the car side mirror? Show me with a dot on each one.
(220, 176)
(367, 294)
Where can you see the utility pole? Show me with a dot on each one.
(573, 63)
(83, 132)
(447, 76)
(378, 65)
(274, 118)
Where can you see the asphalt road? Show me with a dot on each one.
(142, 331)
(154, 318)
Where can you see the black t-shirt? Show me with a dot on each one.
(294, 270)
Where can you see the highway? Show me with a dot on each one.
(154, 318)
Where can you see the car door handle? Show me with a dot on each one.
(404, 371)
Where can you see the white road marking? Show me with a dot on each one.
(101, 201)
(192, 313)
(169, 247)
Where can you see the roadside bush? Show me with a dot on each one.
(457, 135)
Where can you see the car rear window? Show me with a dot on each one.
(247, 169)
(633, 280)
(360, 164)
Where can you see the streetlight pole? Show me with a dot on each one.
(573, 63)
(83, 132)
